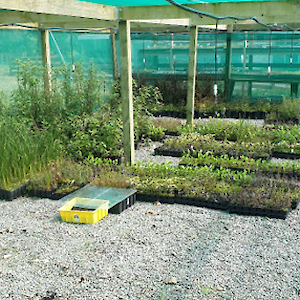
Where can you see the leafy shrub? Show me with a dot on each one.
(31, 101)
(80, 90)
(73, 92)
(144, 98)
(99, 135)
(289, 110)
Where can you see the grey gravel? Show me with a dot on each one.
(145, 155)
(147, 252)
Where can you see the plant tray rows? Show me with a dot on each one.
(227, 114)
(277, 154)
(179, 153)
(287, 175)
(53, 194)
(221, 205)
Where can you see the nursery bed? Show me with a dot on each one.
(167, 151)
(219, 205)
(151, 151)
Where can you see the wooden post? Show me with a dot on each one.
(171, 52)
(115, 54)
(250, 83)
(192, 75)
(155, 58)
(46, 60)
(294, 90)
(227, 89)
(126, 90)
(244, 59)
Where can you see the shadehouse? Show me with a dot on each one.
(241, 43)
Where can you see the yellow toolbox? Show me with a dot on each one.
(84, 210)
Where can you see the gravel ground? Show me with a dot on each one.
(147, 252)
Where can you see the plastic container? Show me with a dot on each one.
(84, 210)
(121, 206)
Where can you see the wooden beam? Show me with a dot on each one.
(46, 60)
(265, 11)
(178, 22)
(150, 27)
(61, 7)
(126, 90)
(54, 21)
(192, 75)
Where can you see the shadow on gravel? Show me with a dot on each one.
(56, 219)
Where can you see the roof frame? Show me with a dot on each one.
(79, 14)
(268, 12)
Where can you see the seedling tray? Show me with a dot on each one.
(278, 154)
(250, 211)
(13, 194)
(119, 198)
(83, 210)
(196, 201)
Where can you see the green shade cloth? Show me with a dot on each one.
(162, 2)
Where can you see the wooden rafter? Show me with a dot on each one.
(265, 11)
(80, 14)
(54, 21)
(61, 7)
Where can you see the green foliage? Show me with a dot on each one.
(265, 193)
(194, 143)
(3, 106)
(80, 90)
(243, 132)
(108, 172)
(173, 90)
(66, 174)
(240, 188)
(98, 134)
(24, 152)
(144, 98)
(161, 179)
(242, 163)
(73, 92)
(167, 124)
(286, 147)
(287, 111)
(31, 101)
(72, 110)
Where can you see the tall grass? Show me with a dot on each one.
(24, 152)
